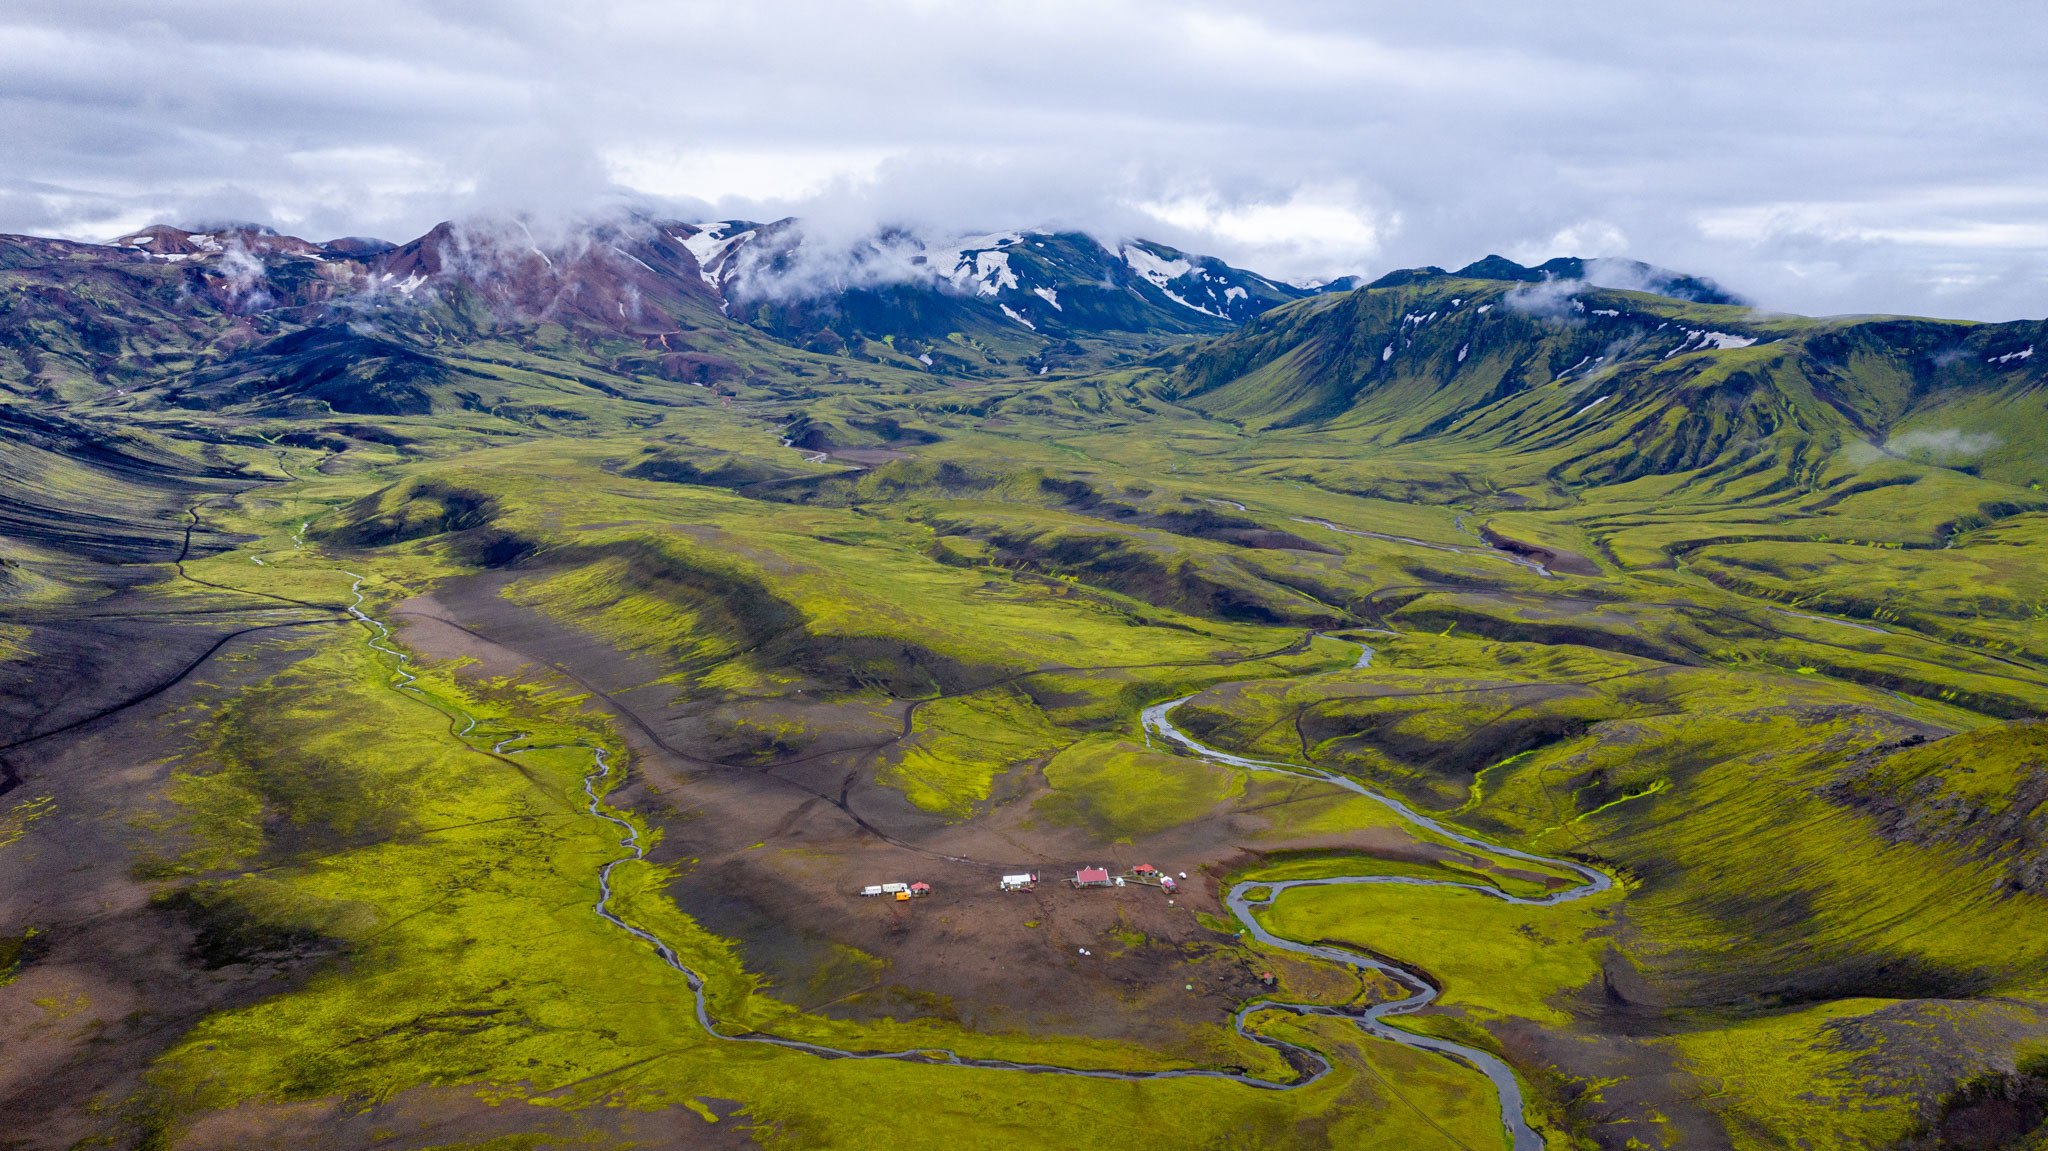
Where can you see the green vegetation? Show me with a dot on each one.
(959, 746)
(1708, 617)
(1119, 790)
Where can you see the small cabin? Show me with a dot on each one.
(920, 889)
(1021, 882)
(896, 889)
(1093, 877)
(1145, 871)
(872, 889)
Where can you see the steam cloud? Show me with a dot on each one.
(245, 273)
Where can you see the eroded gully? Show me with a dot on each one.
(1309, 1064)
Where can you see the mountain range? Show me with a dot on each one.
(76, 318)
(161, 303)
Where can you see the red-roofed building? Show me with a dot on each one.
(1145, 871)
(920, 889)
(1093, 877)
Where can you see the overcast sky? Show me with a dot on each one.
(1819, 156)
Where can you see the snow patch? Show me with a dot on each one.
(2009, 357)
(1575, 367)
(977, 262)
(1607, 311)
(925, 358)
(1234, 293)
(1012, 313)
(632, 257)
(1162, 273)
(1387, 354)
(1169, 294)
(1050, 296)
(710, 248)
(1724, 340)
(1159, 272)
(992, 273)
(1699, 340)
(1462, 351)
(1589, 407)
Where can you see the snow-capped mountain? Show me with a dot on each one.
(1056, 283)
(891, 284)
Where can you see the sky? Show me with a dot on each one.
(1817, 157)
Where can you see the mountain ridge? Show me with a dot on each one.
(1642, 383)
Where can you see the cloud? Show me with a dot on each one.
(805, 260)
(1941, 444)
(1549, 300)
(1817, 158)
(1321, 231)
(245, 274)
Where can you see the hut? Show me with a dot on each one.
(1093, 877)
(1145, 871)
(1024, 881)
(920, 889)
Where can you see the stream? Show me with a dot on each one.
(1310, 1064)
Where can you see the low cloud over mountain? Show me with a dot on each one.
(1888, 162)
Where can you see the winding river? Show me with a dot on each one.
(1242, 902)
(1240, 899)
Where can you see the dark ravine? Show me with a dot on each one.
(1522, 1136)
(1490, 552)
